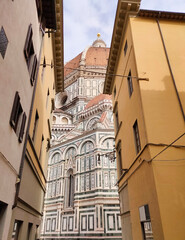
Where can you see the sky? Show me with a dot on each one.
(83, 19)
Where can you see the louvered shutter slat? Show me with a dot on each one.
(21, 133)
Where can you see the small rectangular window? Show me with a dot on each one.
(130, 86)
(35, 125)
(125, 47)
(136, 137)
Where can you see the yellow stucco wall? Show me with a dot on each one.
(163, 117)
(36, 170)
(154, 103)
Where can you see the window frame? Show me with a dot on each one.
(18, 118)
(35, 126)
(28, 47)
(145, 218)
(136, 137)
(130, 83)
(114, 91)
(125, 47)
(34, 70)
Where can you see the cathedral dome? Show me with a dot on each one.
(95, 55)
(98, 99)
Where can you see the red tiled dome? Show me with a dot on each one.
(74, 63)
(98, 99)
(97, 56)
(93, 56)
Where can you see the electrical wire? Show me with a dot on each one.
(169, 160)
(166, 147)
(83, 70)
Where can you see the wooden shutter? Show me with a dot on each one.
(28, 42)
(21, 133)
(15, 109)
(34, 68)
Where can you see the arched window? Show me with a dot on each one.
(87, 147)
(55, 158)
(71, 153)
(108, 143)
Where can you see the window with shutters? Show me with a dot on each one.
(136, 137)
(33, 70)
(30, 56)
(125, 48)
(119, 158)
(116, 121)
(114, 91)
(41, 148)
(18, 118)
(21, 133)
(35, 125)
(3, 42)
(28, 48)
(130, 85)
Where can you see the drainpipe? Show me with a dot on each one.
(27, 130)
(169, 65)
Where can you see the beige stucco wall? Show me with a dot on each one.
(15, 17)
(33, 183)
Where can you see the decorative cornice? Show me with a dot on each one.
(125, 9)
(161, 15)
(62, 127)
(102, 106)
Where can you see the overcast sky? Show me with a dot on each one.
(83, 19)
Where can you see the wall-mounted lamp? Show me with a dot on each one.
(111, 156)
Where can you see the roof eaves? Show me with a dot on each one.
(161, 15)
(125, 8)
(58, 48)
